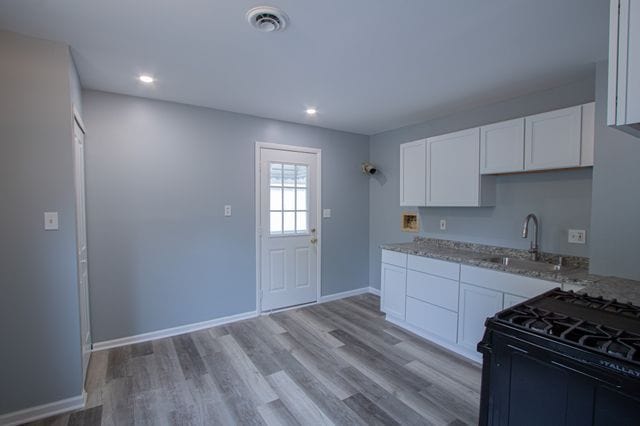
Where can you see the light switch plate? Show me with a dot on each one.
(577, 236)
(227, 210)
(50, 221)
(443, 224)
(326, 213)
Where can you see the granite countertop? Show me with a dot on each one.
(575, 270)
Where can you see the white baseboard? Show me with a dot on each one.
(43, 411)
(168, 332)
(145, 337)
(78, 402)
(342, 295)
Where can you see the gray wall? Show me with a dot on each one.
(40, 359)
(158, 175)
(561, 199)
(615, 224)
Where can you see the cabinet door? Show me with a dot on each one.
(552, 139)
(511, 300)
(632, 110)
(393, 290)
(476, 305)
(624, 66)
(453, 169)
(502, 147)
(413, 162)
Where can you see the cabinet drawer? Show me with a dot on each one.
(435, 320)
(518, 285)
(435, 290)
(434, 267)
(394, 258)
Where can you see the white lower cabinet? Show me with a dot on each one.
(512, 300)
(432, 319)
(476, 305)
(393, 290)
(447, 302)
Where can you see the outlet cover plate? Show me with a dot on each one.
(51, 221)
(577, 236)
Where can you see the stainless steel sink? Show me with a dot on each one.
(523, 264)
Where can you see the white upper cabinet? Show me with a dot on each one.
(502, 147)
(453, 171)
(623, 107)
(588, 134)
(413, 163)
(552, 139)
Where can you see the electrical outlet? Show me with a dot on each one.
(51, 221)
(577, 236)
(326, 213)
(227, 210)
(443, 224)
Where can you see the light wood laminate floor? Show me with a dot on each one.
(334, 363)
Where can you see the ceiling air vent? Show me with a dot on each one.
(267, 19)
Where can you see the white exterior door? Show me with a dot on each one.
(81, 230)
(287, 229)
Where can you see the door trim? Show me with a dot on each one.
(77, 119)
(256, 170)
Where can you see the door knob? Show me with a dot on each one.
(314, 240)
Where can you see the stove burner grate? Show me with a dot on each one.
(609, 340)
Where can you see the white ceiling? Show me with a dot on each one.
(368, 65)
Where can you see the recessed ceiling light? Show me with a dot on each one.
(311, 111)
(146, 78)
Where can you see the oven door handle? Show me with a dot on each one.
(558, 364)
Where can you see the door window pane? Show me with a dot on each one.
(289, 173)
(289, 199)
(301, 199)
(301, 222)
(289, 222)
(275, 201)
(301, 176)
(275, 173)
(276, 222)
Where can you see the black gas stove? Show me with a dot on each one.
(562, 358)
